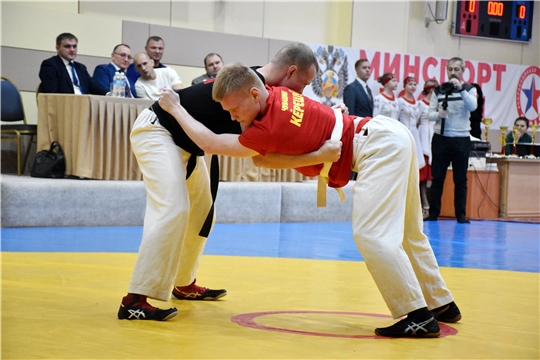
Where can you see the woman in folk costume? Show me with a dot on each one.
(385, 103)
(409, 115)
(425, 131)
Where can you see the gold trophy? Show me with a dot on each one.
(504, 129)
(534, 127)
(516, 133)
(487, 122)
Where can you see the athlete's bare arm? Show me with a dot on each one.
(207, 140)
(329, 152)
(228, 144)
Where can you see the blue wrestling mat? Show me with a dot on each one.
(481, 244)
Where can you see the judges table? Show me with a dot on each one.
(520, 187)
(482, 194)
(94, 133)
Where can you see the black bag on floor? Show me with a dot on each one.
(50, 164)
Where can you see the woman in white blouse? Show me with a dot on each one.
(385, 103)
(425, 131)
(409, 115)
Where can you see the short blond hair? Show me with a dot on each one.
(232, 78)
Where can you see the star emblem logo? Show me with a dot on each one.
(532, 95)
(528, 93)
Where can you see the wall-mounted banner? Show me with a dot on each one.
(509, 90)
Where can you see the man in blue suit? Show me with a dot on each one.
(357, 95)
(120, 60)
(60, 74)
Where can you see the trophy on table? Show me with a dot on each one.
(503, 138)
(534, 127)
(515, 130)
(487, 122)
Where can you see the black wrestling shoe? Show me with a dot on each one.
(463, 220)
(135, 307)
(411, 328)
(196, 292)
(448, 313)
(431, 218)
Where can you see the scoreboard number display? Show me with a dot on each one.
(496, 20)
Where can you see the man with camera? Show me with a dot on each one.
(450, 107)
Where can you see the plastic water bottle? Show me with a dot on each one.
(122, 85)
(116, 84)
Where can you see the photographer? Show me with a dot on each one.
(450, 107)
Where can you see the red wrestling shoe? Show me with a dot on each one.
(195, 292)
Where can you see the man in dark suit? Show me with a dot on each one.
(357, 95)
(60, 74)
(120, 60)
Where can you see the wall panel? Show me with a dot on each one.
(427, 41)
(189, 47)
(486, 50)
(240, 18)
(155, 12)
(97, 36)
(135, 35)
(200, 15)
(230, 17)
(380, 25)
(290, 21)
(30, 106)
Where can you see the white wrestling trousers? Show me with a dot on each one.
(387, 219)
(175, 211)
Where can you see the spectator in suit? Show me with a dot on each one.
(212, 64)
(60, 74)
(120, 60)
(155, 46)
(357, 95)
(152, 80)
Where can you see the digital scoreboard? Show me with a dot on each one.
(497, 20)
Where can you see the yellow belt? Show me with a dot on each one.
(323, 175)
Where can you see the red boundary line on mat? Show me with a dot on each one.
(248, 320)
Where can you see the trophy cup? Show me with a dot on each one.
(503, 138)
(516, 133)
(487, 122)
(534, 127)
